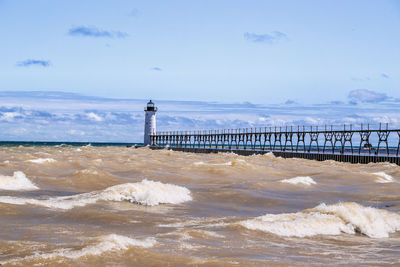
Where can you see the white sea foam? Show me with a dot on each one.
(304, 180)
(18, 181)
(147, 193)
(383, 177)
(229, 163)
(101, 244)
(42, 160)
(87, 171)
(325, 219)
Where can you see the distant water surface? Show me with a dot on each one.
(87, 205)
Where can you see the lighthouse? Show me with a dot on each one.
(149, 123)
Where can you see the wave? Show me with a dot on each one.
(146, 192)
(304, 180)
(102, 244)
(383, 177)
(18, 181)
(234, 162)
(79, 173)
(42, 160)
(229, 163)
(349, 218)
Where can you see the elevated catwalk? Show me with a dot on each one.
(346, 143)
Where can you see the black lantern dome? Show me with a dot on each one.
(150, 106)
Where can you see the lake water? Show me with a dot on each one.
(120, 206)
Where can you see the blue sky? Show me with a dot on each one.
(83, 70)
(265, 52)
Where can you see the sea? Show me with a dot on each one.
(80, 204)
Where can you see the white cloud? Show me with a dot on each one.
(368, 96)
(94, 117)
(9, 116)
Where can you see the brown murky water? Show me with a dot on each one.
(117, 206)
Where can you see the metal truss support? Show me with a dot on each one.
(300, 139)
(383, 138)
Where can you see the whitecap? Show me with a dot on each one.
(229, 163)
(18, 181)
(199, 163)
(42, 160)
(87, 172)
(349, 218)
(146, 192)
(102, 244)
(383, 177)
(304, 180)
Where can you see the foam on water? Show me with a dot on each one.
(102, 244)
(87, 171)
(199, 163)
(383, 177)
(18, 181)
(42, 160)
(349, 218)
(304, 180)
(146, 192)
(233, 162)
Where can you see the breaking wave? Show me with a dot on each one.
(102, 244)
(146, 192)
(383, 177)
(42, 160)
(18, 181)
(349, 218)
(233, 162)
(304, 180)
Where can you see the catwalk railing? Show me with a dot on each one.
(371, 140)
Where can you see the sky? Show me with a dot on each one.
(263, 52)
(83, 70)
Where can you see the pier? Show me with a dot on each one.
(346, 143)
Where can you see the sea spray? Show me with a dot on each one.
(18, 181)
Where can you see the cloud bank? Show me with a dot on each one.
(95, 32)
(60, 116)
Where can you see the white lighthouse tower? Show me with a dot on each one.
(150, 123)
